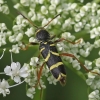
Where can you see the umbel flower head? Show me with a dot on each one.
(16, 72)
(4, 87)
(76, 21)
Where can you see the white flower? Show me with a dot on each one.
(98, 62)
(52, 80)
(4, 87)
(5, 9)
(84, 53)
(44, 21)
(31, 80)
(55, 2)
(25, 2)
(15, 48)
(40, 17)
(3, 26)
(98, 11)
(41, 1)
(32, 14)
(1, 1)
(44, 10)
(73, 6)
(19, 19)
(41, 84)
(94, 33)
(19, 37)
(30, 32)
(78, 26)
(9, 33)
(81, 1)
(52, 7)
(97, 43)
(93, 75)
(16, 72)
(67, 24)
(34, 61)
(83, 10)
(4, 33)
(68, 36)
(12, 39)
(58, 9)
(24, 71)
(45, 71)
(77, 17)
(99, 52)
(76, 64)
(89, 81)
(17, 6)
(32, 39)
(88, 64)
(87, 27)
(68, 59)
(24, 23)
(94, 95)
(60, 46)
(55, 21)
(30, 92)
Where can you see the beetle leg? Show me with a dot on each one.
(71, 55)
(62, 39)
(39, 74)
(33, 43)
(27, 45)
(52, 37)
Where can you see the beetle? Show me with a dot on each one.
(49, 52)
(51, 56)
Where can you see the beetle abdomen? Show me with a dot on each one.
(53, 61)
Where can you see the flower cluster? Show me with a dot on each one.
(4, 87)
(3, 7)
(16, 73)
(4, 33)
(76, 24)
(94, 95)
(32, 79)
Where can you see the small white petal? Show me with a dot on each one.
(44, 10)
(7, 70)
(7, 91)
(25, 2)
(18, 65)
(13, 66)
(98, 62)
(17, 6)
(19, 37)
(55, 2)
(23, 72)
(32, 39)
(17, 79)
(5, 9)
(93, 75)
(29, 32)
(1, 1)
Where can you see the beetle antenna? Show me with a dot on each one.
(52, 20)
(28, 19)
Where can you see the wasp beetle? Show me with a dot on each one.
(49, 52)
